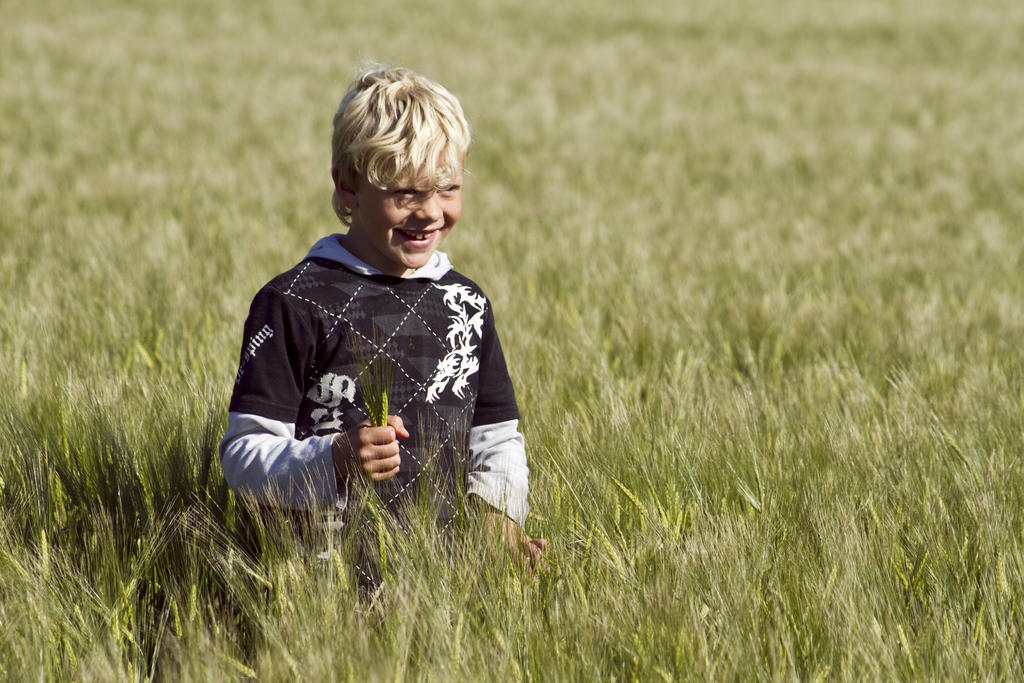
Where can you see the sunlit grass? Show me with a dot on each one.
(758, 276)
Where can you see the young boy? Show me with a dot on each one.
(382, 299)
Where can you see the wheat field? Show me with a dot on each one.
(758, 269)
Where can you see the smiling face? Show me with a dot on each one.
(397, 230)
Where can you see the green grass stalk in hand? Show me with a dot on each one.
(371, 448)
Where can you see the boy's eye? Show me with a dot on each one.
(406, 192)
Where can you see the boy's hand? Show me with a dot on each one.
(371, 451)
(505, 530)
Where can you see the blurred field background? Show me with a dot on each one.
(759, 274)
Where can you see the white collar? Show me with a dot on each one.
(331, 248)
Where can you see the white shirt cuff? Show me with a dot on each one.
(263, 459)
(497, 468)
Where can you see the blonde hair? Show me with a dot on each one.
(394, 126)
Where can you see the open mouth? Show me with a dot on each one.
(420, 237)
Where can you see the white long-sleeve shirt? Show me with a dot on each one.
(262, 458)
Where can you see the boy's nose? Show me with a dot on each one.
(430, 208)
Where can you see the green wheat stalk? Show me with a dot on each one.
(375, 379)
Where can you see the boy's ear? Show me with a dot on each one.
(347, 194)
